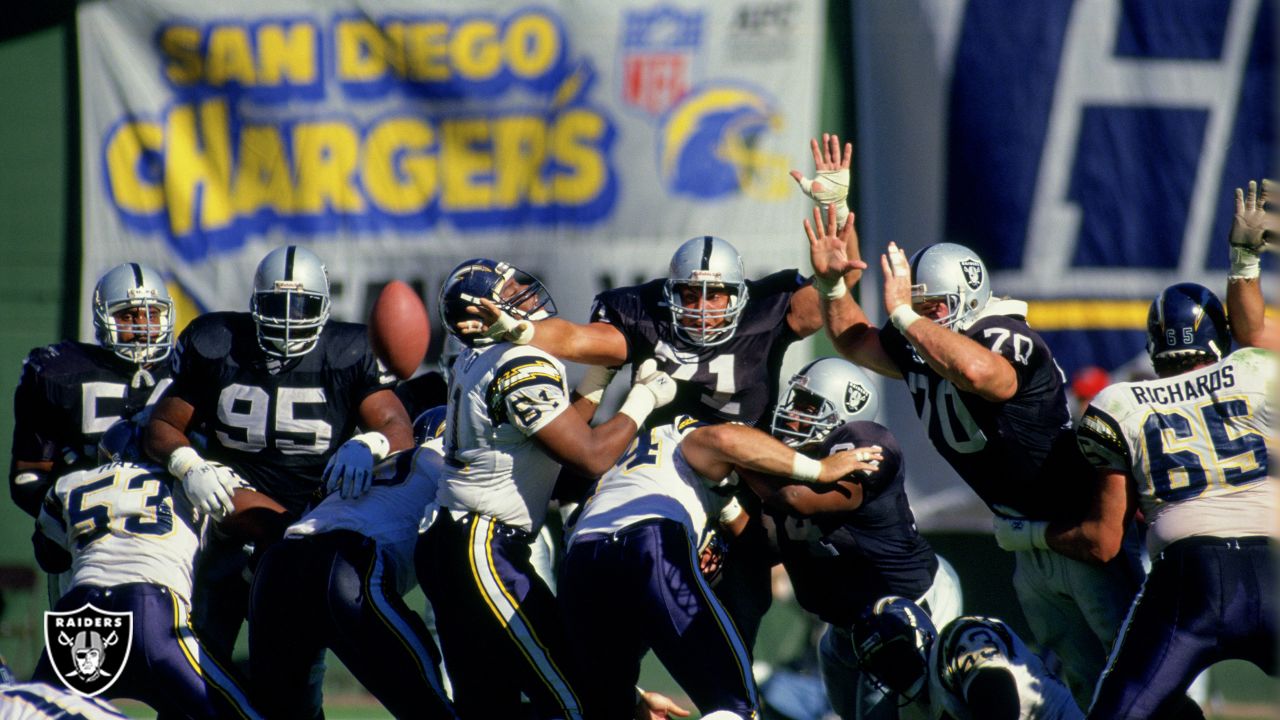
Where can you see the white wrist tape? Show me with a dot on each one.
(731, 511)
(377, 443)
(639, 403)
(522, 333)
(805, 469)
(1245, 264)
(842, 213)
(1038, 529)
(902, 317)
(182, 460)
(594, 382)
(830, 290)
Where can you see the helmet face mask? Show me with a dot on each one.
(706, 291)
(1186, 326)
(824, 395)
(133, 314)
(892, 641)
(951, 275)
(290, 302)
(512, 290)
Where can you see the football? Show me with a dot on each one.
(399, 330)
(257, 518)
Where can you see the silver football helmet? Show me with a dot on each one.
(955, 275)
(290, 302)
(824, 395)
(133, 314)
(704, 263)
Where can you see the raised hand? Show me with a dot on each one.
(831, 184)
(833, 253)
(897, 278)
(1255, 225)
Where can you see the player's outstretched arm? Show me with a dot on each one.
(968, 365)
(833, 253)
(209, 485)
(591, 344)
(715, 450)
(1252, 230)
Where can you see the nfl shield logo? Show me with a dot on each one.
(88, 648)
(658, 48)
(972, 273)
(855, 397)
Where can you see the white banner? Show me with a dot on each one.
(582, 141)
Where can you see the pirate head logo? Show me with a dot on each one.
(972, 273)
(855, 398)
(88, 647)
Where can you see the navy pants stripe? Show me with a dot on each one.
(168, 667)
(498, 621)
(1206, 600)
(333, 591)
(640, 589)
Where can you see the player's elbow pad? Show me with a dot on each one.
(28, 488)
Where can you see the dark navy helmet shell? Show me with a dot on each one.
(429, 425)
(891, 640)
(1187, 321)
(514, 291)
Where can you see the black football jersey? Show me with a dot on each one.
(841, 562)
(276, 423)
(69, 394)
(735, 381)
(1015, 453)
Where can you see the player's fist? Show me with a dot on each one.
(209, 485)
(655, 381)
(1014, 534)
(350, 470)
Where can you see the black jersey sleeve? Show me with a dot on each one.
(865, 434)
(197, 357)
(348, 345)
(34, 415)
(636, 311)
(1011, 338)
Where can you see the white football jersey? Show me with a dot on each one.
(969, 644)
(37, 701)
(123, 523)
(390, 512)
(1196, 445)
(499, 397)
(651, 480)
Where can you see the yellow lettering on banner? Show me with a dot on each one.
(131, 191)
(427, 50)
(532, 44)
(475, 51)
(461, 162)
(519, 151)
(198, 160)
(230, 56)
(326, 155)
(287, 54)
(575, 143)
(399, 169)
(263, 178)
(361, 51)
(393, 46)
(180, 45)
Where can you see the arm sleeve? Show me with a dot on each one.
(190, 369)
(528, 392)
(1102, 442)
(51, 539)
(34, 434)
(605, 309)
(1011, 339)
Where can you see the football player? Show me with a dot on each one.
(337, 581)
(993, 401)
(71, 392)
(509, 428)
(977, 668)
(1190, 450)
(1254, 230)
(633, 554)
(847, 545)
(275, 391)
(127, 532)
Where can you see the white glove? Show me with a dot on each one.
(209, 485)
(652, 390)
(1015, 534)
(1251, 230)
(594, 382)
(350, 470)
(507, 329)
(835, 191)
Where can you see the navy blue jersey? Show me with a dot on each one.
(275, 423)
(733, 382)
(1015, 453)
(841, 562)
(69, 394)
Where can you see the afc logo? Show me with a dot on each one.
(88, 647)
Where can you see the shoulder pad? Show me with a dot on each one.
(1101, 439)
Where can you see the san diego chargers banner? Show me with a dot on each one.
(582, 141)
(1086, 149)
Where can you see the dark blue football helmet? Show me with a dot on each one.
(891, 641)
(1187, 323)
(122, 442)
(516, 292)
(430, 424)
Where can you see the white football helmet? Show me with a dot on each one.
(290, 302)
(706, 262)
(127, 287)
(954, 274)
(824, 395)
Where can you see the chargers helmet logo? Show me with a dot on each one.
(714, 142)
(88, 647)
